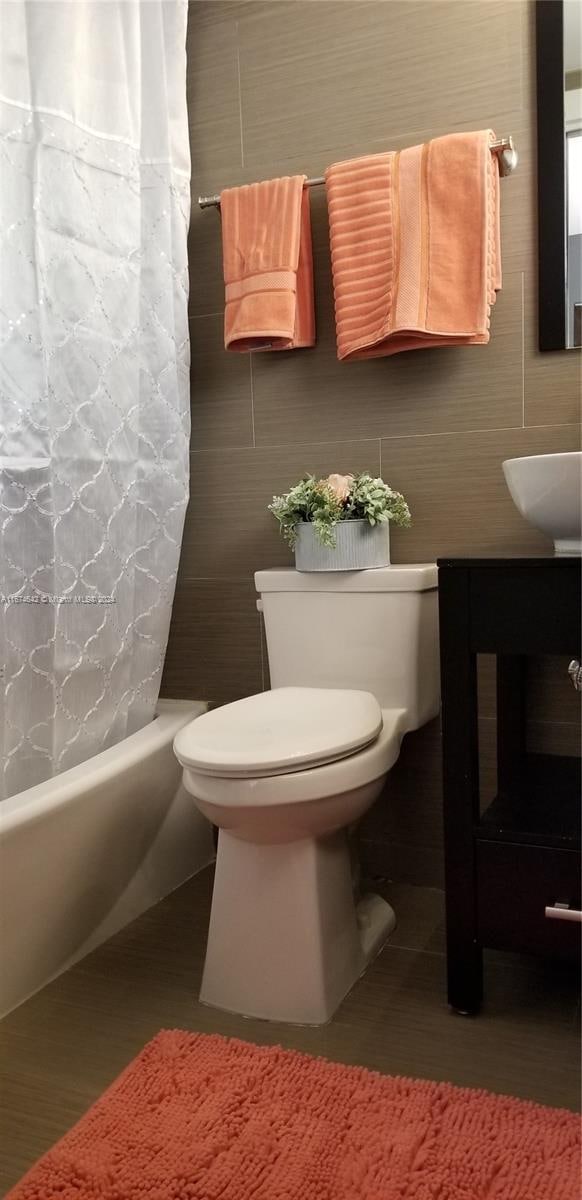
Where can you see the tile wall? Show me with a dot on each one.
(288, 86)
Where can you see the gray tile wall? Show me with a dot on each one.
(287, 86)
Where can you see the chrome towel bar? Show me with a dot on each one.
(503, 148)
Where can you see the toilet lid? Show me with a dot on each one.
(277, 732)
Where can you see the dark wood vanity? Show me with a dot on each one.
(512, 866)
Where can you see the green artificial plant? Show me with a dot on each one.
(325, 502)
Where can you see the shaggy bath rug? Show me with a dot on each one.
(210, 1118)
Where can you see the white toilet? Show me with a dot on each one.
(353, 658)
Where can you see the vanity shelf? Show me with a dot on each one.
(513, 865)
(546, 811)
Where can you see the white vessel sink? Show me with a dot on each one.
(547, 490)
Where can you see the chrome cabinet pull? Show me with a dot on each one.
(561, 911)
(575, 673)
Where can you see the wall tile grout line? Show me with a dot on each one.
(267, 446)
(287, 445)
(240, 114)
(252, 399)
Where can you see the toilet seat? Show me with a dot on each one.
(356, 770)
(279, 732)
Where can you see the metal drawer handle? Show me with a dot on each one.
(561, 911)
(575, 673)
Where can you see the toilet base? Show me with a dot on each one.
(286, 941)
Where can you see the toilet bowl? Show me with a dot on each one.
(285, 773)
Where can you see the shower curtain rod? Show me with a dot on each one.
(503, 148)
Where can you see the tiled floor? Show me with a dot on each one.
(61, 1049)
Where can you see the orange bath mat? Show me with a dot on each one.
(211, 1118)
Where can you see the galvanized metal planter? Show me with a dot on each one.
(359, 546)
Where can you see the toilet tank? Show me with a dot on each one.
(374, 630)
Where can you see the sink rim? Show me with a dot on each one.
(543, 457)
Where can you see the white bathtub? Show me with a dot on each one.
(88, 851)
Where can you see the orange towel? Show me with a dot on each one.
(268, 266)
(415, 246)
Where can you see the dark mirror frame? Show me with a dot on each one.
(551, 175)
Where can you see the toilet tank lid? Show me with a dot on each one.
(402, 577)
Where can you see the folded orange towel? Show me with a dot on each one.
(268, 266)
(415, 246)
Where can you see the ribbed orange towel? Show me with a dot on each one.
(415, 246)
(268, 266)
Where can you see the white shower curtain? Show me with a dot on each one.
(94, 359)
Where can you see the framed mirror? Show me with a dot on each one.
(559, 103)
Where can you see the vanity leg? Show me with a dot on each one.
(460, 790)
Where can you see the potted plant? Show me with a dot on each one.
(340, 523)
